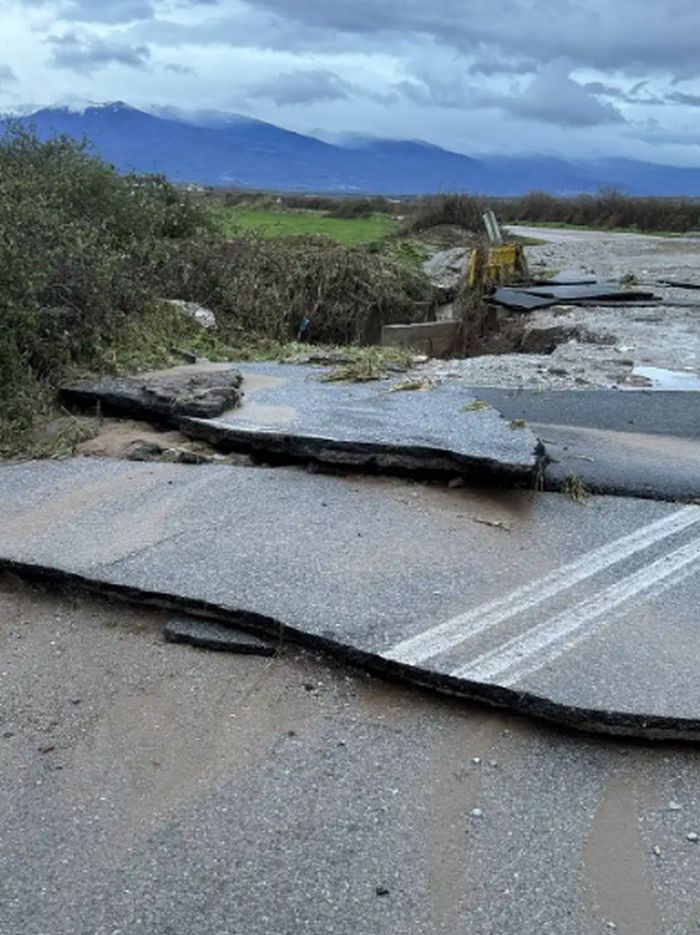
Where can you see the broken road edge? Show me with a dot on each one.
(598, 721)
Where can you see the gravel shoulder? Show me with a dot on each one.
(617, 340)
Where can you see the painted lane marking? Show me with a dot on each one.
(549, 640)
(451, 633)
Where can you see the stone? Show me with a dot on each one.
(150, 451)
(477, 813)
(446, 268)
(197, 390)
(209, 634)
(203, 316)
(693, 836)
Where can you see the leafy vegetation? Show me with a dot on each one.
(86, 257)
(431, 211)
(298, 286)
(369, 363)
(609, 209)
(78, 250)
(574, 488)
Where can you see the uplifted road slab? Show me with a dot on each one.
(583, 614)
(205, 389)
(287, 410)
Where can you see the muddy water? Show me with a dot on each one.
(618, 870)
(662, 379)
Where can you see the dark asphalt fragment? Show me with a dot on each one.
(208, 634)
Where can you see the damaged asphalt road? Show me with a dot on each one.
(636, 443)
(582, 614)
(153, 788)
(633, 443)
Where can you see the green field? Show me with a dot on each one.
(271, 223)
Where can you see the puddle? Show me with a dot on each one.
(662, 379)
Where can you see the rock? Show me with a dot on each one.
(150, 451)
(190, 357)
(203, 316)
(202, 391)
(477, 813)
(208, 634)
(693, 836)
(674, 807)
(144, 451)
(446, 268)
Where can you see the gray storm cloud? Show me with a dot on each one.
(555, 74)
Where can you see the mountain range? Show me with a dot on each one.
(229, 150)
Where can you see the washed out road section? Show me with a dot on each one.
(578, 613)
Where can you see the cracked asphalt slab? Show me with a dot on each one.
(152, 787)
(288, 410)
(573, 612)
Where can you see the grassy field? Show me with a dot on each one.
(271, 223)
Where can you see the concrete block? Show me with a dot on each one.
(431, 337)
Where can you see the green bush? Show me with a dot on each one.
(78, 246)
(86, 255)
(608, 209)
(465, 211)
(349, 208)
(267, 287)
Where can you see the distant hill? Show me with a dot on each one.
(230, 150)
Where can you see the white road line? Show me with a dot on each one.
(546, 642)
(452, 632)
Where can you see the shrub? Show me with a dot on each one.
(350, 208)
(609, 209)
(77, 251)
(86, 254)
(267, 287)
(464, 211)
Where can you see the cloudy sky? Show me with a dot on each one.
(579, 77)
